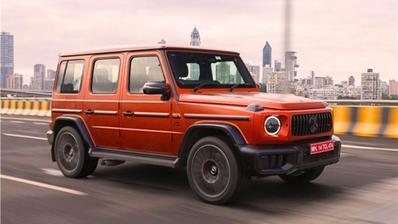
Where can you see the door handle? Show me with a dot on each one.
(89, 111)
(128, 113)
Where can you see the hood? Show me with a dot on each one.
(267, 100)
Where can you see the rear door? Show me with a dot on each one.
(101, 103)
(145, 119)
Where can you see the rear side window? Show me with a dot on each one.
(105, 75)
(70, 76)
(143, 70)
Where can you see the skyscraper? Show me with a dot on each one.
(194, 68)
(267, 54)
(195, 37)
(39, 74)
(290, 65)
(6, 57)
(277, 66)
(14, 81)
(254, 71)
(351, 81)
(371, 85)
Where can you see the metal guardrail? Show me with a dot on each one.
(364, 102)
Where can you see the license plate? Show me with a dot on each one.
(322, 147)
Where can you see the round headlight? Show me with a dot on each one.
(272, 125)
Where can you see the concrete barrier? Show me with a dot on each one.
(26, 106)
(370, 121)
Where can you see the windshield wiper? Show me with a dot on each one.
(203, 84)
(237, 85)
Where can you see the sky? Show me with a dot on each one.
(337, 38)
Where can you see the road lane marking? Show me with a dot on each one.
(24, 119)
(25, 136)
(17, 122)
(43, 185)
(40, 123)
(370, 148)
(52, 172)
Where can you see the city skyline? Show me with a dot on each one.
(352, 50)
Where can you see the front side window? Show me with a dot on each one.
(70, 76)
(143, 70)
(211, 70)
(105, 76)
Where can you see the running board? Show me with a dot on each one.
(147, 158)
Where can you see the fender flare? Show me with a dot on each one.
(78, 123)
(231, 131)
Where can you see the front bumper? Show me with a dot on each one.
(286, 159)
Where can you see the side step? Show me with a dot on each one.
(148, 158)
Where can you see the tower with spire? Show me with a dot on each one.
(195, 37)
(267, 54)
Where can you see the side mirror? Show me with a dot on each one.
(157, 88)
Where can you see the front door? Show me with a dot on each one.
(145, 121)
(101, 103)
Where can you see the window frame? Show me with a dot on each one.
(92, 74)
(63, 76)
(252, 83)
(129, 71)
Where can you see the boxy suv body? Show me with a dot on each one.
(184, 107)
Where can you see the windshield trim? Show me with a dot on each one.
(247, 85)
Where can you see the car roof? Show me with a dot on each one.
(140, 48)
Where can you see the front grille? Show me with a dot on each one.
(309, 124)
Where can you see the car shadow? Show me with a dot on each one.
(161, 180)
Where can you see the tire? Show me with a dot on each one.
(303, 177)
(71, 154)
(213, 171)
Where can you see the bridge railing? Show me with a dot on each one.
(364, 102)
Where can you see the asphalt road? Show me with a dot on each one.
(361, 188)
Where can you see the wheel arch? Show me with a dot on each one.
(75, 122)
(200, 130)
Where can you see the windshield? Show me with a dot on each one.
(209, 70)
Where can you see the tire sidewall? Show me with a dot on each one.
(233, 166)
(82, 152)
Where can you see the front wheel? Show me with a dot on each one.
(213, 170)
(71, 155)
(302, 177)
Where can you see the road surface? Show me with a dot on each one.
(361, 188)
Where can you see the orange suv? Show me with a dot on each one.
(184, 107)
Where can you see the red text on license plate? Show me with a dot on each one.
(322, 147)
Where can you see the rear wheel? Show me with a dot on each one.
(213, 170)
(302, 177)
(71, 155)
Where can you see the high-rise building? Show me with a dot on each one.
(267, 55)
(6, 57)
(351, 81)
(267, 72)
(195, 37)
(277, 82)
(329, 93)
(254, 71)
(14, 81)
(39, 74)
(277, 66)
(223, 72)
(290, 65)
(393, 88)
(50, 74)
(371, 85)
